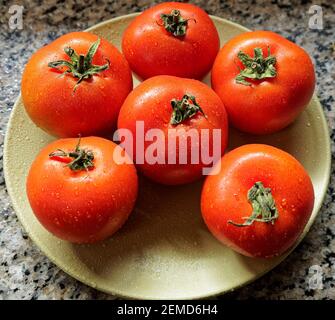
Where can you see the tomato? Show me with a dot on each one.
(82, 192)
(264, 81)
(85, 101)
(260, 201)
(183, 108)
(171, 38)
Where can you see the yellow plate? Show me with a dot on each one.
(164, 251)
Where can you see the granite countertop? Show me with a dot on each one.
(25, 273)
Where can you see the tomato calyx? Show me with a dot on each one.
(82, 159)
(80, 66)
(263, 206)
(174, 23)
(257, 67)
(184, 109)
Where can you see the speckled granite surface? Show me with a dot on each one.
(25, 273)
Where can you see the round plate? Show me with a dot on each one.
(164, 251)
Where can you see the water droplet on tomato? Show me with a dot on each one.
(283, 202)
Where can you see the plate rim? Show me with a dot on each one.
(34, 237)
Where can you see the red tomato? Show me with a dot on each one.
(152, 102)
(82, 200)
(264, 81)
(171, 38)
(260, 201)
(60, 105)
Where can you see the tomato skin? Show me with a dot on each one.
(151, 50)
(92, 109)
(270, 104)
(150, 102)
(224, 198)
(80, 206)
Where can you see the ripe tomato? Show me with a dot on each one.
(260, 201)
(185, 107)
(85, 101)
(81, 193)
(264, 81)
(171, 38)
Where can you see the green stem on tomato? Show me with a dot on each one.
(82, 159)
(184, 109)
(80, 66)
(263, 206)
(257, 67)
(174, 23)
